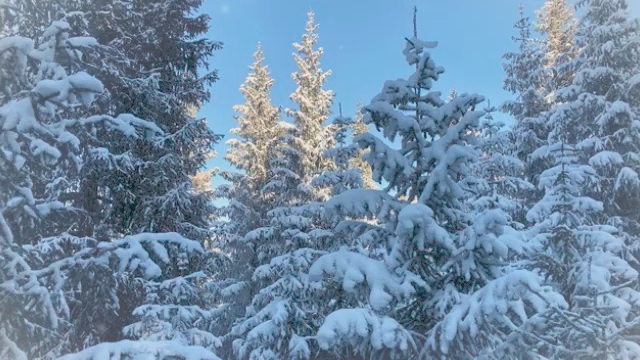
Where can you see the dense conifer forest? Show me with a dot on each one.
(419, 227)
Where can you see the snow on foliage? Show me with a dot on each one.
(362, 329)
(71, 284)
(360, 203)
(354, 269)
(140, 350)
(506, 303)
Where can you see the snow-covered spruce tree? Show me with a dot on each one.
(314, 105)
(33, 141)
(283, 307)
(174, 321)
(284, 304)
(176, 307)
(150, 62)
(590, 261)
(41, 155)
(358, 290)
(534, 73)
(582, 258)
(456, 257)
(604, 95)
(252, 153)
(556, 21)
(258, 130)
(500, 172)
(526, 78)
(288, 307)
(359, 127)
(131, 184)
(45, 282)
(161, 79)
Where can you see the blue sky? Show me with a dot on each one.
(363, 42)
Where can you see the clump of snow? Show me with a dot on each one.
(350, 326)
(606, 158)
(353, 269)
(126, 349)
(516, 296)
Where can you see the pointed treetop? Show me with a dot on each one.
(523, 26)
(311, 25)
(415, 21)
(310, 38)
(258, 49)
(359, 126)
(556, 20)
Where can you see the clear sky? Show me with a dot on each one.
(363, 42)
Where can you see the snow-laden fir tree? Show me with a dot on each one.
(443, 261)
(582, 258)
(359, 291)
(258, 131)
(313, 104)
(284, 241)
(588, 251)
(556, 21)
(533, 74)
(290, 305)
(177, 306)
(604, 95)
(42, 127)
(285, 305)
(526, 77)
(252, 153)
(150, 61)
(359, 127)
(33, 142)
(137, 179)
(499, 171)
(62, 291)
(173, 324)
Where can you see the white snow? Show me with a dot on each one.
(142, 350)
(349, 326)
(516, 295)
(606, 158)
(353, 269)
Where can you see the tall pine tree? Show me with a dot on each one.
(314, 104)
(442, 260)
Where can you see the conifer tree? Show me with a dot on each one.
(525, 77)
(556, 21)
(359, 127)
(441, 261)
(500, 173)
(34, 142)
(286, 306)
(314, 105)
(64, 290)
(605, 93)
(586, 259)
(534, 73)
(125, 175)
(150, 61)
(258, 132)
(253, 153)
